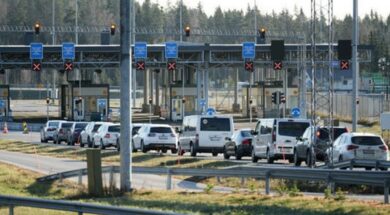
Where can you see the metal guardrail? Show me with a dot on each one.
(330, 176)
(80, 208)
(350, 164)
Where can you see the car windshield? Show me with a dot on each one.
(114, 128)
(246, 133)
(324, 133)
(366, 140)
(215, 124)
(160, 130)
(53, 124)
(96, 127)
(292, 129)
(80, 126)
(67, 125)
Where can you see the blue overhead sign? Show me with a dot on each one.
(36, 51)
(170, 50)
(68, 51)
(140, 50)
(202, 102)
(295, 112)
(248, 50)
(102, 102)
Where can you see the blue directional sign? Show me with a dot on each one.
(210, 111)
(170, 50)
(68, 51)
(2, 103)
(202, 102)
(36, 51)
(248, 50)
(140, 50)
(102, 102)
(295, 112)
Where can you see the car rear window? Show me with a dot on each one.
(324, 133)
(135, 129)
(160, 130)
(215, 124)
(246, 134)
(292, 129)
(115, 128)
(54, 124)
(80, 125)
(66, 125)
(364, 140)
(95, 128)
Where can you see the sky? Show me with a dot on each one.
(341, 7)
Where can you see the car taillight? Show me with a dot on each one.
(318, 133)
(151, 135)
(273, 136)
(107, 135)
(352, 147)
(246, 142)
(384, 148)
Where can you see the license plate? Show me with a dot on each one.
(369, 152)
(163, 138)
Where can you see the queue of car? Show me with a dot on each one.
(292, 139)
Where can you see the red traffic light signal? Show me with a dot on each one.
(68, 66)
(344, 64)
(171, 66)
(249, 66)
(187, 31)
(278, 65)
(37, 27)
(112, 29)
(36, 66)
(140, 65)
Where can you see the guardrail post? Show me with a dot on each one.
(11, 210)
(94, 169)
(60, 177)
(242, 181)
(377, 165)
(386, 191)
(351, 164)
(330, 184)
(218, 179)
(267, 183)
(111, 179)
(80, 182)
(169, 179)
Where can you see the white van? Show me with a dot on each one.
(275, 138)
(203, 133)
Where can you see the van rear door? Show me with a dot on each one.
(289, 130)
(214, 130)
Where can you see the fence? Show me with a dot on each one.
(80, 208)
(329, 176)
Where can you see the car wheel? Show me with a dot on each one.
(238, 154)
(81, 143)
(225, 154)
(193, 150)
(89, 142)
(164, 150)
(269, 159)
(118, 146)
(297, 161)
(133, 147)
(143, 148)
(102, 145)
(42, 140)
(309, 159)
(254, 158)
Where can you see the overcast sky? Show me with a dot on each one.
(341, 7)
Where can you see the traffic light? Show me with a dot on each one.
(249, 66)
(47, 100)
(112, 29)
(344, 64)
(344, 49)
(68, 66)
(278, 65)
(183, 100)
(36, 66)
(37, 27)
(171, 66)
(187, 31)
(262, 33)
(79, 100)
(282, 98)
(274, 95)
(277, 50)
(140, 65)
(150, 101)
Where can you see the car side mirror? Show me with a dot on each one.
(177, 130)
(253, 132)
(228, 138)
(299, 138)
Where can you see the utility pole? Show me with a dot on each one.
(355, 65)
(125, 105)
(255, 16)
(77, 22)
(181, 20)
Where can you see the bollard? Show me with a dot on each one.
(11, 210)
(169, 179)
(94, 169)
(267, 183)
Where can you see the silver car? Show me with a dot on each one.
(86, 135)
(49, 130)
(239, 144)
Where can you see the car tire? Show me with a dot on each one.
(225, 155)
(133, 147)
(81, 143)
(164, 150)
(89, 142)
(309, 159)
(269, 159)
(238, 154)
(143, 148)
(254, 158)
(102, 147)
(193, 150)
(297, 161)
(42, 140)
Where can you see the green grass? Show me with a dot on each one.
(17, 182)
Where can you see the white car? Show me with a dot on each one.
(156, 137)
(48, 131)
(106, 135)
(133, 131)
(88, 132)
(358, 146)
